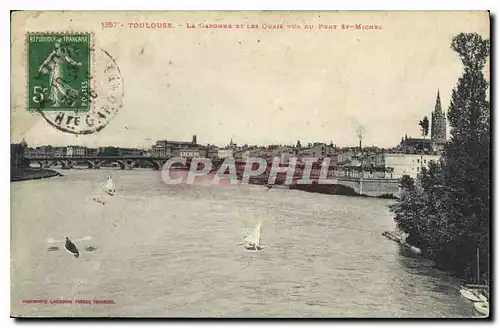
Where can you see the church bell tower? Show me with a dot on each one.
(438, 125)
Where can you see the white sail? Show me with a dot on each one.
(254, 237)
(109, 186)
(51, 240)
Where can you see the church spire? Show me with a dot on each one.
(438, 126)
(438, 109)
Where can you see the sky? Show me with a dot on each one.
(259, 86)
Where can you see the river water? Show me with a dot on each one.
(171, 250)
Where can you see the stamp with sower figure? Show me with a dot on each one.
(74, 86)
(59, 71)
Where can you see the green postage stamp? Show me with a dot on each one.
(59, 71)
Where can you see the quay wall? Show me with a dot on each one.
(372, 187)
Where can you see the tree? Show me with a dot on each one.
(407, 209)
(298, 144)
(467, 155)
(448, 210)
(424, 128)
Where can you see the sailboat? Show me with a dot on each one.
(109, 187)
(69, 245)
(474, 293)
(483, 306)
(253, 239)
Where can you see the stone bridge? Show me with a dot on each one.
(124, 162)
(367, 186)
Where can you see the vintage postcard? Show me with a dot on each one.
(250, 164)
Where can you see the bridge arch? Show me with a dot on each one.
(65, 164)
(157, 163)
(91, 164)
(46, 163)
(120, 163)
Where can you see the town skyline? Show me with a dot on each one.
(304, 144)
(64, 139)
(360, 135)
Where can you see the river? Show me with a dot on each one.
(171, 251)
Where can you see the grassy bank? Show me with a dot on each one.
(28, 173)
(330, 189)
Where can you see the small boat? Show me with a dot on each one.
(109, 187)
(69, 245)
(253, 239)
(399, 238)
(415, 250)
(476, 293)
(392, 236)
(482, 307)
(470, 294)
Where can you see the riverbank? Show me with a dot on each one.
(28, 173)
(335, 189)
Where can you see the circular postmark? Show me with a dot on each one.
(105, 95)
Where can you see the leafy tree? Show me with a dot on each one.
(407, 209)
(447, 211)
(467, 156)
(424, 126)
